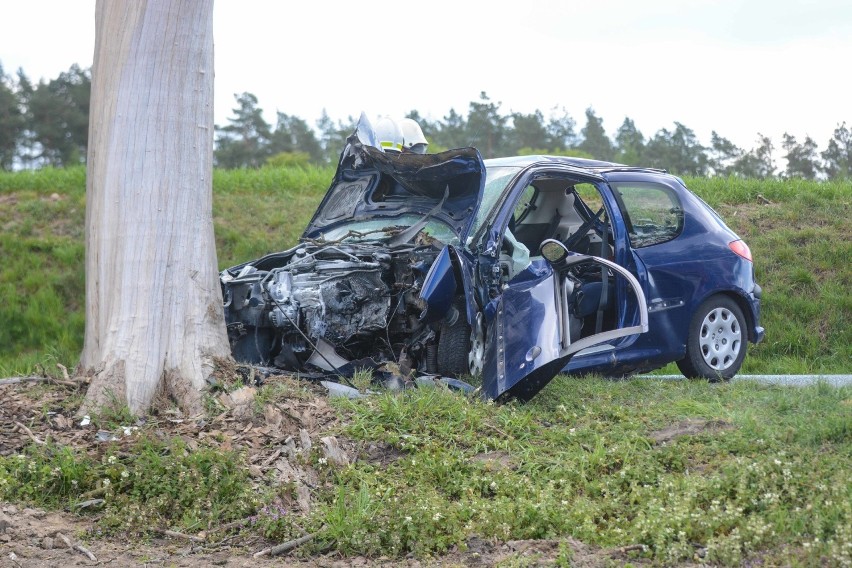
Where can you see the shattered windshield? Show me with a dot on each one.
(382, 229)
(496, 180)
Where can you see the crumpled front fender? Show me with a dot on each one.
(439, 287)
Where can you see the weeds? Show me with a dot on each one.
(580, 463)
(159, 484)
(765, 475)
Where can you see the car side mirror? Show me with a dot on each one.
(554, 252)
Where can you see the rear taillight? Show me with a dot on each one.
(741, 249)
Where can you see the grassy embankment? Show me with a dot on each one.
(728, 474)
(801, 242)
(750, 472)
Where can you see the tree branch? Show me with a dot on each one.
(175, 534)
(78, 547)
(32, 436)
(34, 379)
(287, 546)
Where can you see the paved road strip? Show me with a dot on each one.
(784, 380)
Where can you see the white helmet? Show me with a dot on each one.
(414, 141)
(389, 134)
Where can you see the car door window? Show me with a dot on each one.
(653, 213)
(524, 203)
(590, 195)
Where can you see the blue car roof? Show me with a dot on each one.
(596, 166)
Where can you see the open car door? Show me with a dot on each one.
(537, 325)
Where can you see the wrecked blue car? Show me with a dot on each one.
(514, 269)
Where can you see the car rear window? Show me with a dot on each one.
(653, 213)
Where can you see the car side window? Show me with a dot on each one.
(524, 203)
(590, 195)
(653, 213)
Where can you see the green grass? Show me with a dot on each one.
(736, 191)
(266, 210)
(42, 280)
(767, 479)
(801, 243)
(580, 463)
(159, 484)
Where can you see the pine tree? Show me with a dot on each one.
(630, 143)
(837, 156)
(11, 121)
(244, 143)
(595, 141)
(801, 158)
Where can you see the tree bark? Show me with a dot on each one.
(154, 320)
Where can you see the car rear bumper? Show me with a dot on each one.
(757, 333)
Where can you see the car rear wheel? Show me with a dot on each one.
(717, 341)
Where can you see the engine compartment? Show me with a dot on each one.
(361, 299)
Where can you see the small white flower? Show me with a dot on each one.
(493, 486)
(437, 517)
(407, 519)
(777, 462)
(106, 482)
(125, 474)
(572, 430)
(111, 460)
(322, 461)
(74, 482)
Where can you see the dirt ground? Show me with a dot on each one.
(34, 538)
(29, 537)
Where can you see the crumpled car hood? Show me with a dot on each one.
(370, 184)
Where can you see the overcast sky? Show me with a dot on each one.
(735, 66)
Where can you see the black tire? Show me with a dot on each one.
(717, 341)
(454, 346)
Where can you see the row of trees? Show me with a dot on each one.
(248, 141)
(44, 124)
(47, 124)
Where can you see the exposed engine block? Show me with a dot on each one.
(349, 296)
(335, 301)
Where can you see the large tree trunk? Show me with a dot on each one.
(154, 319)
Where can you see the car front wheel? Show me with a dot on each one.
(717, 341)
(460, 347)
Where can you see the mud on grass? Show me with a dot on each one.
(591, 473)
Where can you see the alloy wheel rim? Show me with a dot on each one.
(720, 339)
(477, 347)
